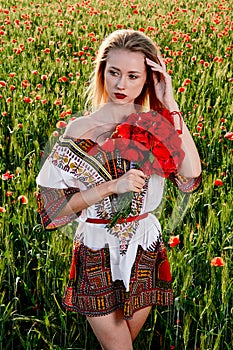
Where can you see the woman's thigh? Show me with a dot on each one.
(136, 323)
(112, 331)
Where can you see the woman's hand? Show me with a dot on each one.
(132, 180)
(163, 84)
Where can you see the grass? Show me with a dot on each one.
(44, 41)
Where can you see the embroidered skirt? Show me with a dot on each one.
(91, 291)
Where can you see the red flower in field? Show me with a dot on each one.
(3, 83)
(12, 87)
(8, 100)
(44, 77)
(63, 79)
(2, 210)
(187, 82)
(58, 102)
(218, 183)
(25, 83)
(217, 261)
(12, 75)
(181, 89)
(56, 133)
(174, 240)
(174, 39)
(7, 175)
(27, 99)
(23, 199)
(47, 50)
(35, 72)
(61, 124)
(229, 135)
(9, 193)
(199, 127)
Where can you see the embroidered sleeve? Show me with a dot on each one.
(50, 203)
(187, 185)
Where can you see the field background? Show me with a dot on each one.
(47, 51)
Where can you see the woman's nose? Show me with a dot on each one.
(121, 83)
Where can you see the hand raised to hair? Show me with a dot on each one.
(163, 84)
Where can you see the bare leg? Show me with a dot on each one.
(138, 320)
(112, 331)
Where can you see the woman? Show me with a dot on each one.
(117, 273)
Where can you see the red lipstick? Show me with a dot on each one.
(120, 96)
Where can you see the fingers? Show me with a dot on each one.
(160, 58)
(157, 67)
(133, 180)
(153, 64)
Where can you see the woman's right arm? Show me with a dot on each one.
(132, 180)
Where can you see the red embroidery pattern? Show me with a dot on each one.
(92, 292)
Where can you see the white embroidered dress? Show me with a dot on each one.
(70, 166)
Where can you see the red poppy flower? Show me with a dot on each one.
(229, 135)
(174, 240)
(7, 176)
(108, 145)
(218, 182)
(131, 155)
(25, 83)
(217, 261)
(181, 89)
(63, 79)
(2, 83)
(23, 199)
(27, 99)
(61, 124)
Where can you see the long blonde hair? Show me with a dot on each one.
(131, 40)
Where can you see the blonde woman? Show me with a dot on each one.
(117, 273)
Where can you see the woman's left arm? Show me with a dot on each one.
(191, 165)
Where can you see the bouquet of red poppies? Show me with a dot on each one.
(150, 141)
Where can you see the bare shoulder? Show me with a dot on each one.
(79, 128)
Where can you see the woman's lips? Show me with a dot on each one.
(120, 96)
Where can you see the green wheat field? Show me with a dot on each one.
(47, 50)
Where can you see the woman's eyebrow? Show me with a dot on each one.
(132, 71)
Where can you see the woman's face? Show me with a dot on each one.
(124, 76)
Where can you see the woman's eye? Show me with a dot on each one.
(132, 76)
(113, 72)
